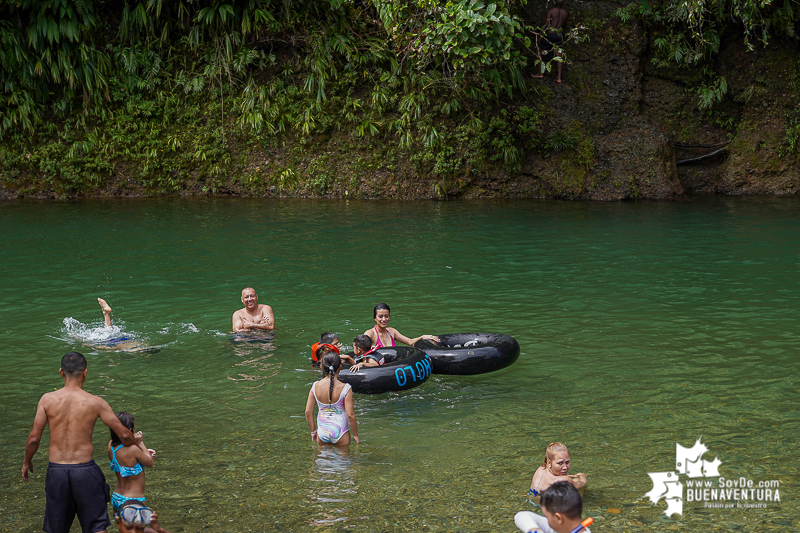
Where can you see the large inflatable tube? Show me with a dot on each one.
(470, 353)
(404, 368)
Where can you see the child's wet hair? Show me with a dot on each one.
(323, 349)
(127, 421)
(363, 343)
(562, 497)
(328, 338)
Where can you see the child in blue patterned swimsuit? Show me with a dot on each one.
(336, 419)
(128, 463)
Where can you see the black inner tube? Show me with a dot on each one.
(470, 353)
(404, 367)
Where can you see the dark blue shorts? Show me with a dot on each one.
(115, 340)
(76, 489)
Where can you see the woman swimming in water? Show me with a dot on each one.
(336, 419)
(553, 469)
(382, 335)
(128, 463)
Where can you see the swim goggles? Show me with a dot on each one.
(135, 515)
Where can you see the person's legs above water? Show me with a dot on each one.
(122, 343)
(106, 311)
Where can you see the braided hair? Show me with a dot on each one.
(331, 362)
(552, 450)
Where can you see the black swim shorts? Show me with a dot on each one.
(553, 38)
(76, 489)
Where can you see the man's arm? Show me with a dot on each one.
(32, 444)
(267, 321)
(236, 322)
(110, 419)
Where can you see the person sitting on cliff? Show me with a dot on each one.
(553, 39)
(366, 355)
(555, 468)
(254, 316)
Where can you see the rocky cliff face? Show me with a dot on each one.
(633, 115)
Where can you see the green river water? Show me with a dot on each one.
(641, 325)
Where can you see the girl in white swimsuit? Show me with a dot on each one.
(336, 419)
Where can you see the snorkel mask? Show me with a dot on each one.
(134, 513)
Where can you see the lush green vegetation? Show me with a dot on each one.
(166, 86)
(163, 93)
(688, 33)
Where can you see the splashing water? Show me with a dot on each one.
(93, 334)
(182, 327)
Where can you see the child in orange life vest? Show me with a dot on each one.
(326, 338)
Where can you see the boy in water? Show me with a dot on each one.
(365, 354)
(562, 507)
(333, 340)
